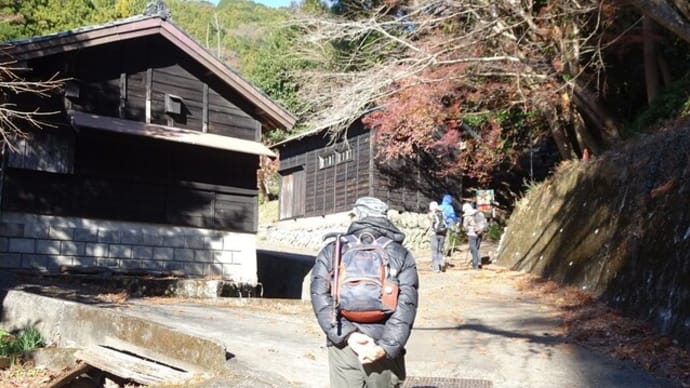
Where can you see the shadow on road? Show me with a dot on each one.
(544, 339)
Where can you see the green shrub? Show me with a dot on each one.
(28, 339)
(494, 231)
(6, 343)
(12, 345)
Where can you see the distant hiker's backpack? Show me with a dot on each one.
(439, 223)
(363, 288)
(480, 222)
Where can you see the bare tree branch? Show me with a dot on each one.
(408, 45)
(15, 119)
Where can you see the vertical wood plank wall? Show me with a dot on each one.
(92, 173)
(335, 188)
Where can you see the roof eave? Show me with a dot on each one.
(272, 114)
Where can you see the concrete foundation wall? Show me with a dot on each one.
(45, 243)
(69, 324)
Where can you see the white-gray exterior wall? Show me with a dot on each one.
(45, 243)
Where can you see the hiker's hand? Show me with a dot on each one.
(373, 353)
(359, 343)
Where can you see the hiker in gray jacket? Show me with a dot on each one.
(367, 354)
(474, 224)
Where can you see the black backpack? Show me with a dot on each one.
(439, 224)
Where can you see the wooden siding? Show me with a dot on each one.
(118, 199)
(49, 150)
(404, 186)
(336, 188)
(137, 158)
(329, 189)
(292, 190)
(176, 81)
(132, 178)
(123, 72)
(226, 119)
(101, 73)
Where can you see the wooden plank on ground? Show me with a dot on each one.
(66, 377)
(130, 366)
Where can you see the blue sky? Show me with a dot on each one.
(270, 3)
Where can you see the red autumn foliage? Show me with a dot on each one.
(430, 116)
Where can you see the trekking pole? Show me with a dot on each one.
(335, 283)
(453, 240)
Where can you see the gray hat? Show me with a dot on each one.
(370, 207)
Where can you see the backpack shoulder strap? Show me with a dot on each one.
(350, 239)
(383, 241)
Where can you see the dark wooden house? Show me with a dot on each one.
(150, 161)
(321, 175)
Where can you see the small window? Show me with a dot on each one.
(173, 104)
(327, 160)
(344, 156)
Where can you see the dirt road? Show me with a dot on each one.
(471, 325)
(492, 325)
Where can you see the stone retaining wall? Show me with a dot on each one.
(45, 243)
(306, 234)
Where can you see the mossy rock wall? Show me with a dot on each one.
(617, 226)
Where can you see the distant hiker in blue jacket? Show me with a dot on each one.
(452, 221)
(446, 207)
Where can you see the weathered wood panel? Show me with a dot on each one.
(287, 196)
(97, 72)
(89, 197)
(129, 366)
(335, 188)
(51, 149)
(292, 188)
(227, 119)
(332, 188)
(139, 179)
(135, 107)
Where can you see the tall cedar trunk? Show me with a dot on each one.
(592, 108)
(665, 15)
(651, 68)
(584, 136)
(664, 71)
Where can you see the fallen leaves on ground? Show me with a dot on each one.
(595, 325)
(24, 375)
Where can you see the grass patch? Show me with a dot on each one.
(13, 345)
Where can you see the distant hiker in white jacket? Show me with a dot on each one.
(474, 224)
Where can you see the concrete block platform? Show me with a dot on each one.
(70, 324)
